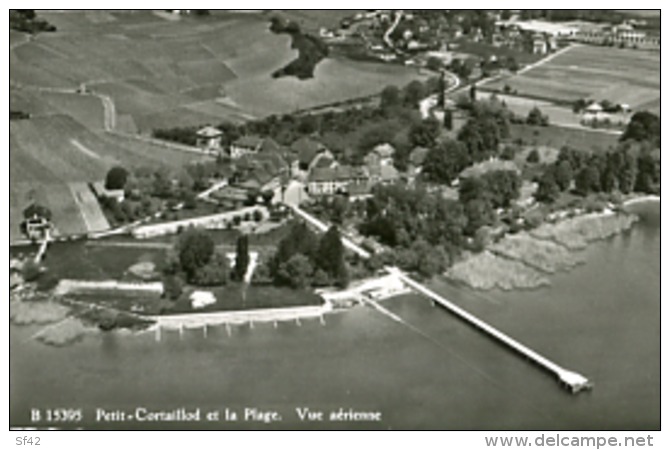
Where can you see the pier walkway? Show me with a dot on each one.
(574, 381)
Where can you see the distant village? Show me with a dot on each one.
(414, 37)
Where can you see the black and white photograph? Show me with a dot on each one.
(336, 220)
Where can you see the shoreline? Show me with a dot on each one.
(527, 259)
(642, 199)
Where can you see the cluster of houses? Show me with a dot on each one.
(546, 36)
(261, 164)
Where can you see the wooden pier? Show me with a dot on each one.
(574, 381)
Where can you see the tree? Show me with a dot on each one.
(649, 172)
(116, 178)
(563, 175)
(472, 188)
(330, 257)
(434, 63)
(448, 120)
(241, 257)
(643, 126)
(444, 162)
(479, 213)
(502, 186)
(533, 157)
(390, 97)
(424, 133)
(547, 189)
(190, 199)
(214, 273)
(536, 118)
(37, 210)
(441, 88)
(30, 271)
(195, 251)
(267, 195)
(413, 93)
(172, 287)
(297, 271)
(587, 180)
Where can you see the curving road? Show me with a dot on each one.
(430, 102)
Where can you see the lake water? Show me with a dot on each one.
(602, 320)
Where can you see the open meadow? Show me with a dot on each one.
(592, 72)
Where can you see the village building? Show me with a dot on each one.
(379, 164)
(594, 112)
(539, 45)
(308, 152)
(491, 165)
(37, 222)
(250, 144)
(262, 171)
(337, 180)
(231, 197)
(209, 138)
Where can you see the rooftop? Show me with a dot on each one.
(418, 155)
(339, 173)
(488, 166)
(248, 141)
(307, 149)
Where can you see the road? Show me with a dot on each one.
(389, 32)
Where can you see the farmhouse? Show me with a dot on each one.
(209, 138)
(330, 181)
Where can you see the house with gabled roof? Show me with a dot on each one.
(336, 180)
(262, 171)
(309, 151)
(251, 144)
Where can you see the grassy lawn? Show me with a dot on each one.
(76, 260)
(235, 296)
(558, 137)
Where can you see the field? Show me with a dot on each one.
(557, 137)
(598, 73)
(160, 71)
(51, 153)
